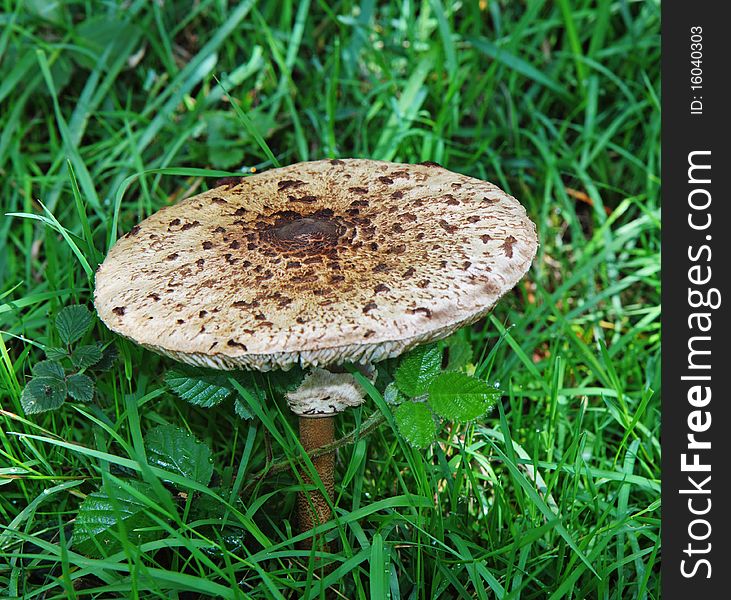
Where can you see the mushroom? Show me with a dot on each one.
(316, 264)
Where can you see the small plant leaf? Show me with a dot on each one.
(242, 411)
(72, 322)
(80, 387)
(101, 513)
(174, 449)
(109, 356)
(48, 368)
(459, 397)
(459, 354)
(282, 382)
(55, 353)
(212, 515)
(42, 394)
(416, 423)
(224, 140)
(202, 387)
(86, 356)
(417, 369)
(392, 395)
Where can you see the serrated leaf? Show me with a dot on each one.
(415, 423)
(385, 372)
(86, 356)
(54, 353)
(285, 381)
(48, 368)
(72, 322)
(202, 387)
(80, 387)
(459, 354)
(42, 394)
(392, 395)
(459, 397)
(212, 514)
(417, 369)
(207, 388)
(174, 449)
(101, 514)
(242, 411)
(109, 356)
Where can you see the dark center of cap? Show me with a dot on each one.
(314, 233)
(307, 230)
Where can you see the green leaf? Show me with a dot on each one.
(417, 369)
(415, 423)
(48, 368)
(386, 372)
(212, 515)
(174, 449)
(80, 387)
(242, 411)
(86, 356)
(109, 356)
(202, 387)
(207, 387)
(54, 353)
(459, 354)
(459, 397)
(101, 514)
(73, 322)
(284, 381)
(392, 395)
(224, 140)
(42, 394)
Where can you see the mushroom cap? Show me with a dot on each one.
(317, 263)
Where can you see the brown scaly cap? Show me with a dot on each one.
(317, 263)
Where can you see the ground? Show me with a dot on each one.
(110, 111)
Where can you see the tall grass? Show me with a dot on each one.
(105, 110)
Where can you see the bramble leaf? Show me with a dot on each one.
(459, 397)
(43, 393)
(459, 353)
(72, 322)
(416, 423)
(109, 356)
(199, 386)
(207, 388)
(282, 382)
(417, 369)
(392, 395)
(86, 356)
(54, 353)
(97, 524)
(48, 368)
(242, 411)
(174, 449)
(80, 387)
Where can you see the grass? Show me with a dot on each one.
(106, 110)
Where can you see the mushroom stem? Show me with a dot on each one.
(313, 508)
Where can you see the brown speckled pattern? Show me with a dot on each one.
(313, 508)
(317, 263)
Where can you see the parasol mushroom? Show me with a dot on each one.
(316, 264)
